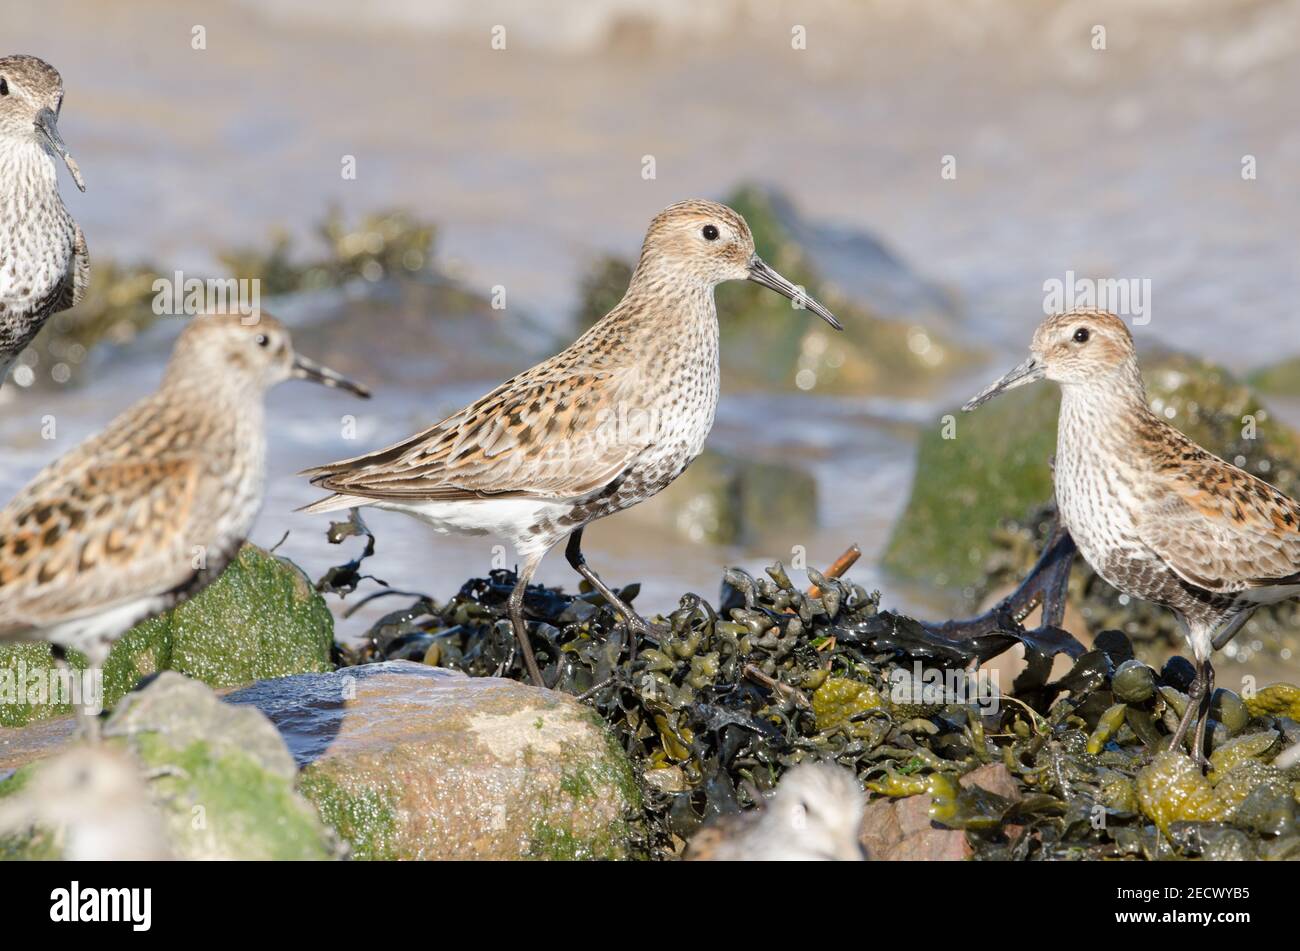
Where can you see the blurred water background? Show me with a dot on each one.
(1124, 162)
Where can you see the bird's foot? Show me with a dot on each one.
(636, 624)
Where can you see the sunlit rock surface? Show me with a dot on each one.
(413, 762)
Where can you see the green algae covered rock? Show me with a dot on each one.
(973, 471)
(261, 618)
(407, 761)
(978, 470)
(178, 774)
(1275, 700)
(223, 778)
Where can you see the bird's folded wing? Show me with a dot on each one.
(74, 287)
(96, 536)
(1220, 528)
(536, 436)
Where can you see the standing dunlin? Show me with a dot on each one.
(1156, 515)
(44, 266)
(599, 427)
(151, 510)
(815, 815)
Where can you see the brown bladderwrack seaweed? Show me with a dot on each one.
(714, 714)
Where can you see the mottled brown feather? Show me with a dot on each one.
(1216, 525)
(552, 432)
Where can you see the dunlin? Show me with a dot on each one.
(151, 510)
(601, 426)
(44, 265)
(1157, 516)
(815, 815)
(95, 805)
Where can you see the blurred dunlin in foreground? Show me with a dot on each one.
(815, 815)
(1157, 516)
(44, 265)
(94, 803)
(150, 511)
(599, 427)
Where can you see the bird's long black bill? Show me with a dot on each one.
(761, 273)
(305, 369)
(1027, 372)
(47, 124)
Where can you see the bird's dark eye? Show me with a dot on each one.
(263, 340)
(4, 87)
(710, 233)
(1081, 335)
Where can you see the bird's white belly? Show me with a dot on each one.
(93, 635)
(509, 519)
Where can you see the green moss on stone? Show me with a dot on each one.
(220, 803)
(972, 472)
(260, 619)
(364, 819)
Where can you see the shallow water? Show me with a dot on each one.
(1120, 163)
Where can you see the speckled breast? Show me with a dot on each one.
(1098, 503)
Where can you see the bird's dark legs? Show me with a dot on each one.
(1198, 746)
(1198, 697)
(1230, 629)
(516, 604)
(1202, 691)
(635, 624)
(87, 722)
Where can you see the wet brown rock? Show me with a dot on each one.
(900, 830)
(414, 762)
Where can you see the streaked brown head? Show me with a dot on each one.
(712, 243)
(31, 96)
(250, 352)
(1076, 349)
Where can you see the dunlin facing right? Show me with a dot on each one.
(151, 510)
(1156, 515)
(44, 265)
(604, 424)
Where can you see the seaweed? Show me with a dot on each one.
(715, 708)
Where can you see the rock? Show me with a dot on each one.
(727, 500)
(1275, 700)
(20, 745)
(994, 778)
(194, 777)
(995, 465)
(408, 761)
(260, 619)
(902, 830)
